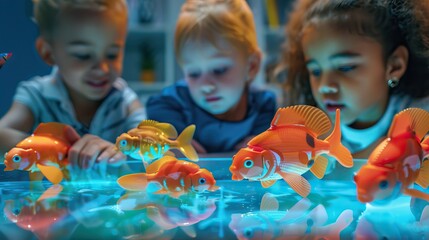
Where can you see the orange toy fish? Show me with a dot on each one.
(152, 139)
(4, 57)
(45, 152)
(397, 162)
(287, 149)
(174, 177)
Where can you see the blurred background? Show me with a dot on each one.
(149, 63)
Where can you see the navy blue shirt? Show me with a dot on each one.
(175, 105)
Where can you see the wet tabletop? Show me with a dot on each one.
(99, 209)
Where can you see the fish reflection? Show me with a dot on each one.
(97, 213)
(393, 221)
(170, 213)
(296, 223)
(38, 216)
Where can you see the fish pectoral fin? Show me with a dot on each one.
(298, 183)
(53, 174)
(423, 178)
(416, 193)
(268, 183)
(319, 166)
(51, 192)
(133, 182)
(269, 203)
(303, 158)
(189, 230)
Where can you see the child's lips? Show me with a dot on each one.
(333, 106)
(213, 99)
(98, 84)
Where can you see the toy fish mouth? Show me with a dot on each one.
(7, 168)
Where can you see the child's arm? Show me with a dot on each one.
(90, 148)
(15, 126)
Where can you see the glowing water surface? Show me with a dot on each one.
(102, 210)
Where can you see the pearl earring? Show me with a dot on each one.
(393, 82)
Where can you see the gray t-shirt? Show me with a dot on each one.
(49, 101)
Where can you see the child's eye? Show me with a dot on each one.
(346, 68)
(194, 74)
(220, 71)
(315, 72)
(112, 56)
(82, 56)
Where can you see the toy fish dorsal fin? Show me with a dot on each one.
(154, 167)
(311, 117)
(410, 119)
(166, 128)
(54, 130)
(269, 203)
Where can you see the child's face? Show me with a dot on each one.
(216, 75)
(88, 49)
(348, 72)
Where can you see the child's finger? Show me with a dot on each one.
(117, 158)
(107, 154)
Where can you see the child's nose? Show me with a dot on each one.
(208, 88)
(102, 65)
(328, 89)
(327, 85)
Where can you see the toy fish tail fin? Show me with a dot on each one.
(319, 166)
(185, 143)
(343, 221)
(133, 182)
(423, 178)
(337, 149)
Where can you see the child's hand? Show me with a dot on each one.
(198, 147)
(90, 148)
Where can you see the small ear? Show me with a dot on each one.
(254, 65)
(397, 63)
(45, 51)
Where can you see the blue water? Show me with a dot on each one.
(95, 209)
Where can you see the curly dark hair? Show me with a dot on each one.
(391, 22)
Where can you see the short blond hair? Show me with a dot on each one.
(210, 20)
(46, 12)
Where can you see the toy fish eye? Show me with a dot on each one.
(123, 143)
(248, 233)
(16, 211)
(383, 184)
(16, 158)
(248, 163)
(202, 180)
